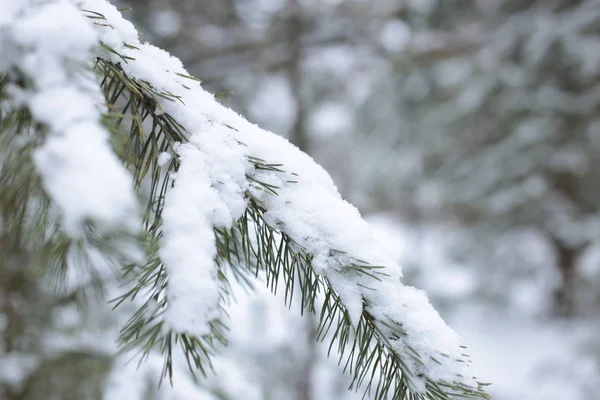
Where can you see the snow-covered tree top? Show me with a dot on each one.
(222, 194)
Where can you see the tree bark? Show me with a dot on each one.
(298, 135)
(564, 295)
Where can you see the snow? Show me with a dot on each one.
(209, 190)
(331, 119)
(273, 104)
(167, 22)
(85, 181)
(38, 30)
(79, 171)
(9, 10)
(164, 158)
(188, 247)
(453, 72)
(15, 368)
(394, 36)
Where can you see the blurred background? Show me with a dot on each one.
(466, 131)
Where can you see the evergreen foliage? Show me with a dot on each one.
(143, 136)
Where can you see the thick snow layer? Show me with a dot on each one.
(209, 191)
(79, 171)
(188, 246)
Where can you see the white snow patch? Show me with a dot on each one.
(167, 23)
(79, 171)
(395, 36)
(164, 158)
(188, 247)
(331, 119)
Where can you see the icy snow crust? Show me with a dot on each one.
(85, 179)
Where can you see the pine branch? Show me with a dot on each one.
(249, 249)
(143, 132)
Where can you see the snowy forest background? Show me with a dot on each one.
(468, 134)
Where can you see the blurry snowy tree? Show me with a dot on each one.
(123, 179)
(508, 134)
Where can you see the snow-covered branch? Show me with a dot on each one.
(212, 175)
